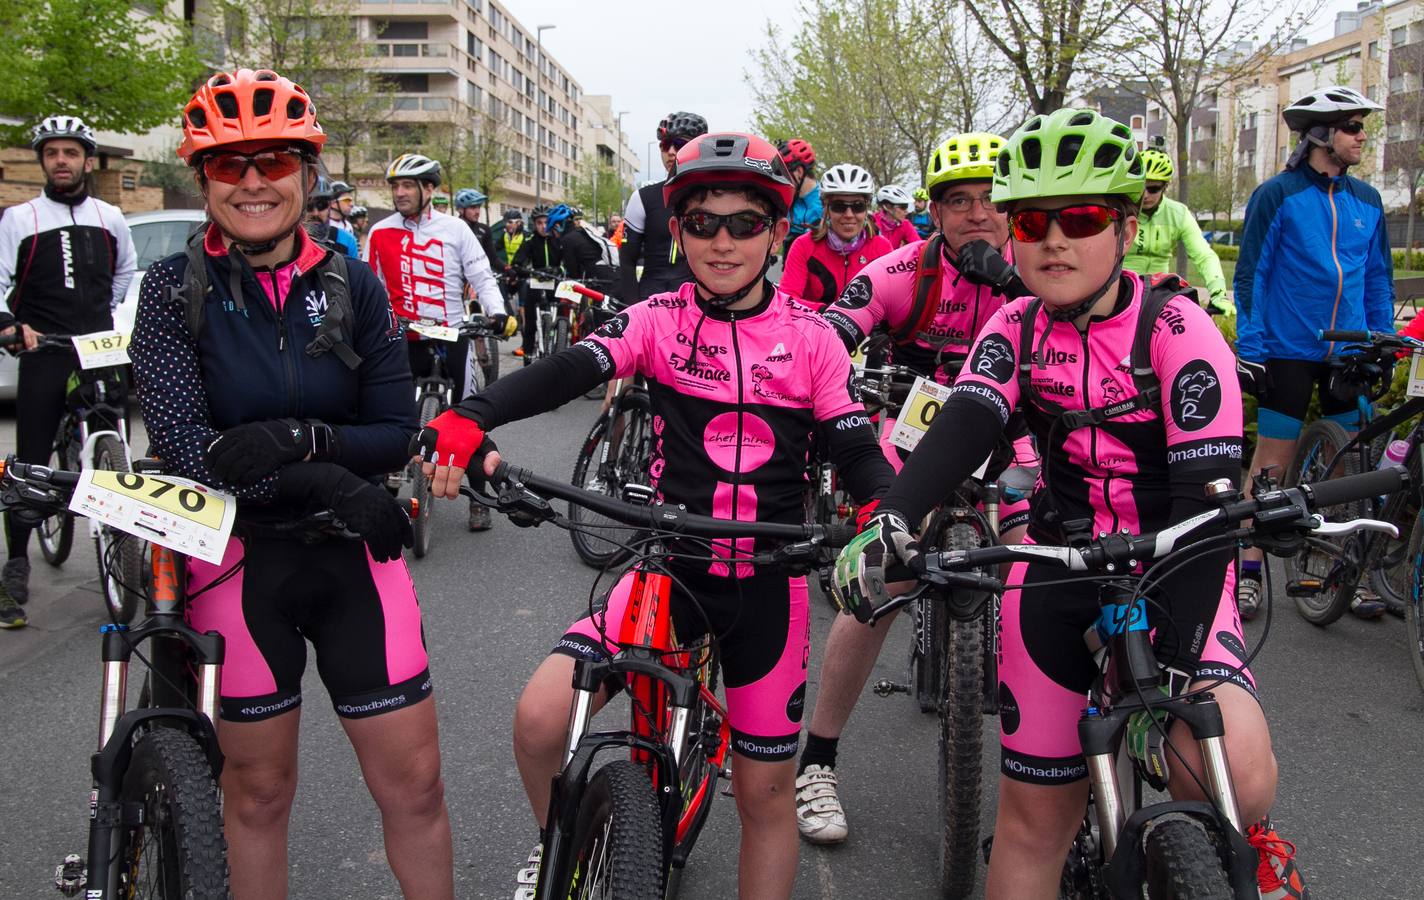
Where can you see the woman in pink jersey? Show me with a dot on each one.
(892, 220)
(822, 261)
(1071, 182)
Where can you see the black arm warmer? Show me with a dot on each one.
(1193, 590)
(628, 256)
(546, 385)
(963, 434)
(851, 444)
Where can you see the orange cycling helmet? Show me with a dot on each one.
(248, 106)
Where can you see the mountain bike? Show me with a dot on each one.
(435, 393)
(1173, 849)
(541, 283)
(1324, 575)
(626, 830)
(486, 347)
(93, 433)
(155, 822)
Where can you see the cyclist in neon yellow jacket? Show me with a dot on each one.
(1163, 223)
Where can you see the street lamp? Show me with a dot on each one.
(538, 102)
(618, 158)
(648, 159)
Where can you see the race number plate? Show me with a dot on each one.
(920, 409)
(176, 513)
(1416, 374)
(565, 291)
(102, 348)
(436, 332)
(541, 284)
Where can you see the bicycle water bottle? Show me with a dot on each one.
(1394, 454)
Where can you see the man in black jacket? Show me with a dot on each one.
(539, 250)
(645, 221)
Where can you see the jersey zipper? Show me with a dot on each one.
(289, 368)
(1335, 258)
(1093, 430)
(737, 458)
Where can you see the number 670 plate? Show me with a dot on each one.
(176, 513)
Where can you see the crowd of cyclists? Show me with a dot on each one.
(1024, 275)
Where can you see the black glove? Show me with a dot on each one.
(1252, 376)
(980, 263)
(362, 507)
(245, 454)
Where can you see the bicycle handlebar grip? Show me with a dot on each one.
(588, 292)
(840, 534)
(1357, 487)
(1345, 337)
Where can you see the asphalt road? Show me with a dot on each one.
(1346, 714)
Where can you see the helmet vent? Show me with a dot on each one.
(1032, 152)
(219, 80)
(722, 146)
(227, 104)
(1034, 124)
(1121, 131)
(1068, 149)
(265, 75)
(1002, 164)
(296, 108)
(1135, 167)
(1082, 118)
(1106, 156)
(197, 118)
(262, 101)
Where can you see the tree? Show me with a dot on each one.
(1042, 40)
(977, 75)
(317, 44)
(596, 188)
(119, 67)
(478, 158)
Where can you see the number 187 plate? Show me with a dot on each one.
(176, 513)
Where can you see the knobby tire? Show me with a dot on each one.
(121, 570)
(1183, 864)
(617, 839)
(1318, 445)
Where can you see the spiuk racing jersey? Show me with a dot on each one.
(884, 292)
(737, 397)
(1119, 473)
(425, 264)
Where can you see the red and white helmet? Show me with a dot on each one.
(730, 159)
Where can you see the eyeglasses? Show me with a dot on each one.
(672, 144)
(1031, 225)
(962, 203)
(231, 168)
(740, 225)
(1351, 127)
(1155, 188)
(845, 206)
(319, 205)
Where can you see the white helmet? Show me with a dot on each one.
(68, 127)
(413, 165)
(1327, 106)
(847, 178)
(894, 195)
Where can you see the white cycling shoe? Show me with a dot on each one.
(819, 815)
(528, 876)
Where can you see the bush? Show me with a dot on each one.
(1412, 260)
(1226, 251)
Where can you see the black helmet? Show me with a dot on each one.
(681, 125)
(513, 215)
(539, 212)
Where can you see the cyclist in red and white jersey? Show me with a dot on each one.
(741, 377)
(823, 260)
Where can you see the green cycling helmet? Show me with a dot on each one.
(1067, 153)
(1157, 166)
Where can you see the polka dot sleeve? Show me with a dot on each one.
(169, 378)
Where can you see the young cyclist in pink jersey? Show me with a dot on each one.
(742, 377)
(1071, 182)
(823, 260)
(954, 305)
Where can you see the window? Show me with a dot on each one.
(1398, 37)
(1393, 133)
(410, 83)
(474, 95)
(476, 5)
(1372, 92)
(1138, 123)
(497, 19)
(1416, 32)
(403, 31)
(473, 46)
(1374, 50)
(1398, 84)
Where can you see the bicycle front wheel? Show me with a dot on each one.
(56, 533)
(561, 334)
(420, 485)
(960, 645)
(178, 852)
(1414, 603)
(120, 556)
(487, 354)
(1322, 577)
(1182, 864)
(591, 473)
(617, 841)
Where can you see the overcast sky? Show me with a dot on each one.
(655, 58)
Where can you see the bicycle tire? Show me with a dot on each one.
(1390, 569)
(617, 838)
(1321, 560)
(487, 354)
(590, 547)
(179, 850)
(961, 735)
(121, 583)
(703, 738)
(561, 334)
(931, 633)
(420, 485)
(1183, 864)
(1414, 605)
(546, 331)
(56, 533)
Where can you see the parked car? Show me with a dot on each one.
(155, 236)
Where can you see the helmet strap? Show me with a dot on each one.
(722, 301)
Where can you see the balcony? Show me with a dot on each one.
(411, 9)
(430, 57)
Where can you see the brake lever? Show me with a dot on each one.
(1321, 526)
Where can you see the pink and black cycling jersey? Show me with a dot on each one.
(884, 292)
(815, 273)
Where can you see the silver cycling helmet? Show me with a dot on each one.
(413, 165)
(895, 195)
(68, 127)
(847, 178)
(1327, 106)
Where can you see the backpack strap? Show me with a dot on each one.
(337, 329)
(193, 292)
(927, 281)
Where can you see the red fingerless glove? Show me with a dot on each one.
(863, 514)
(455, 439)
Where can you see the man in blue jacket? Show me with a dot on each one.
(1314, 255)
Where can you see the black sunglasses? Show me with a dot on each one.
(1155, 188)
(845, 206)
(740, 225)
(1351, 127)
(673, 144)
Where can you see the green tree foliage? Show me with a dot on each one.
(595, 189)
(120, 67)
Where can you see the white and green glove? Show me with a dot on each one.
(1218, 305)
(858, 582)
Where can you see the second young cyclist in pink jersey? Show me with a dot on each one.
(1070, 183)
(742, 377)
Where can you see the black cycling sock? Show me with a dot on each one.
(17, 538)
(819, 751)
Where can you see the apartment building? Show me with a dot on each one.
(1376, 48)
(602, 139)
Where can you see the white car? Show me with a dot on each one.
(155, 236)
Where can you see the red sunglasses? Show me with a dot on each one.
(231, 168)
(1031, 225)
